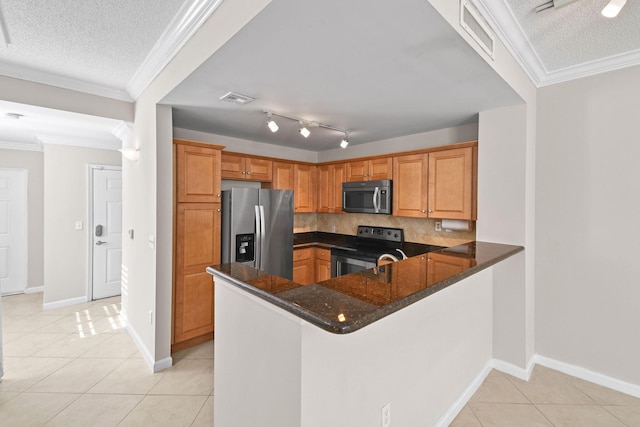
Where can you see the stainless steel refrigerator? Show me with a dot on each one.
(257, 229)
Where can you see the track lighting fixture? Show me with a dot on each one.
(304, 131)
(345, 141)
(304, 125)
(273, 126)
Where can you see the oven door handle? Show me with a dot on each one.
(376, 201)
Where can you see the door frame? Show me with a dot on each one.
(90, 225)
(24, 207)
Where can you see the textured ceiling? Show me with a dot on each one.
(99, 42)
(564, 43)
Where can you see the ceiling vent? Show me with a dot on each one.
(236, 98)
(478, 29)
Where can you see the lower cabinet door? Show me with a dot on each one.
(197, 246)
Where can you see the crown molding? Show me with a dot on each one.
(57, 80)
(80, 141)
(501, 19)
(24, 146)
(184, 25)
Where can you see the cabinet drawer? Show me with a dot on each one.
(301, 254)
(323, 253)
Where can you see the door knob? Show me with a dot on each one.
(99, 243)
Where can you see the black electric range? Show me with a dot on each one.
(362, 252)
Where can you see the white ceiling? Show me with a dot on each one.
(379, 69)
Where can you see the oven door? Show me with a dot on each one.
(346, 262)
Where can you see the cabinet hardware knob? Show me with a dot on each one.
(430, 211)
(219, 209)
(243, 172)
(423, 211)
(218, 195)
(249, 173)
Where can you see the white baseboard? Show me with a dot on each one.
(462, 400)
(64, 303)
(591, 376)
(155, 366)
(525, 374)
(513, 370)
(34, 289)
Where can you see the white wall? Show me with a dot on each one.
(33, 162)
(468, 132)
(587, 211)
(145, 188)
(65, 202)
(249, 147)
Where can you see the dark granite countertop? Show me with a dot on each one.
(347, 303)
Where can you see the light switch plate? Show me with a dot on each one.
(78, 225)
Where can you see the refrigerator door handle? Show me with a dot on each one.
(263, 233)
(258, 242)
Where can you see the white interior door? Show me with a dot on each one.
(13, 231)
(107, 233)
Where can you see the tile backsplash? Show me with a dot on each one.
(417, 230)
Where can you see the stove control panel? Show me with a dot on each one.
(381, 233)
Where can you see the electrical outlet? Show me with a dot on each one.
(438, 225)
(386, 415)
(78, 225)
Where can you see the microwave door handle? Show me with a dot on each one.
(376, 194)
(257, 244)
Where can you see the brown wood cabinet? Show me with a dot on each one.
(282, 176)
(451, 189)
(197, 172)
(239, 167)
(303, 271)
(304, 181)
(330, 179)
(196, 241)
(439, 184)
(322, 264)
(410, 185)
(370, 170)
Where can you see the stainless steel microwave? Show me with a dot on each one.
(367, 197)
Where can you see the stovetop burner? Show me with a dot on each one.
(371, 242)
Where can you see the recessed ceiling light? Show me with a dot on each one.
(236, 98)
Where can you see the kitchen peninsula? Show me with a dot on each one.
(415, 333)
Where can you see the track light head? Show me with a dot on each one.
(273, 126)
(304, 131)
(345, 141)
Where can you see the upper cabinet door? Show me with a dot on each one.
(325, 188)
(451, 192)
(370, 170)
(339, 176)
(258, 169)
(304, 188)
(197, 174)
(410, 185)
(357, 171)
(233, 166)
(282, 176)
(380, 169)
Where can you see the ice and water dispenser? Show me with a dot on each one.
(245, 249)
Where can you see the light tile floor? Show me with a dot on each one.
(77, 366)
